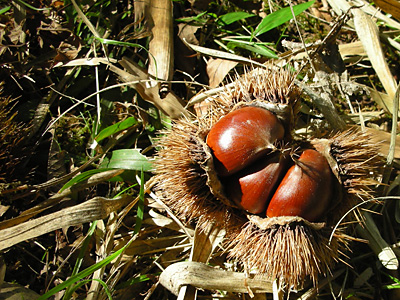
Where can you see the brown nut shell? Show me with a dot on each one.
(253, 187)
(242, 136)
(306, 189)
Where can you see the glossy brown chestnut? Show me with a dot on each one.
(241, 136)
(253, 187)
(306, 189)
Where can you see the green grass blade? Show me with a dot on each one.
(128, 159)
(79, 260)
(395, 285)
(4, 10)
(232, 17)
(140, 209)
(88, 271)
(30, 6)
(83, 282)
(280, 17)
(82, 177)
(132, 281)
(110, 130)
(84, 248)
(255, 48)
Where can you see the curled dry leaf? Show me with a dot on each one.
(202, 276)
(161, 63)
(217, 69)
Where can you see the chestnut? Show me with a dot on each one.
(241, 137)
(306, 189)
(253, 187)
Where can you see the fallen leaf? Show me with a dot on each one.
(217, 69)
(389, 6)
(368, 33)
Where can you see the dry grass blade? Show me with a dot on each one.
(223, 55)
(369, 35)
(205, 277)
(313, 292)
(171, 104)
(29, 213)
(395, 117)
(206, 239)
(91, 210)
(85, 19)
(380, 247)
(340, 6)
(161, 60)
(95, 61)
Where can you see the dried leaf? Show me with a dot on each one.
(202, 276)
(380, 247)
(217, 69)
(3, 209)
(68, 49)
(29, 213)
(205, 241)
(91, 210)
(55, 162)
(340, 6)
(369, 35)
(382, 139)
(390, 7)
(351, 49)
(187, 32)
(3, 268)
(137, 78)
(161, 63)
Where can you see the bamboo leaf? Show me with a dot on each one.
(106, 132)
(280, 17)
(232, 17)
(128, 159)
(255, 48)
(82, 177)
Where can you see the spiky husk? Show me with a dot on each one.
(293, 250)
(12, 136)
(288, 249)
(290, 252)
(182, 182)
(359, 160)
(181, 164)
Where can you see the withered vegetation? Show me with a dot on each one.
(83, 116)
